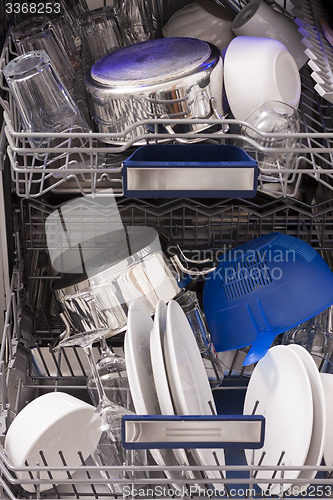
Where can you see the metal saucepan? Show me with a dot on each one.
(161, 78)
(133, 268)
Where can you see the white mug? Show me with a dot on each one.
(258, 18)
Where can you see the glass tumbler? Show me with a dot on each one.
(100, 34)
(191, 307)
(42, 100)
(136, 20)
(39, 33)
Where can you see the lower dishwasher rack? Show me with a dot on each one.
(29, 367)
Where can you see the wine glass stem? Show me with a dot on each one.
(105, 349)
(103, 401)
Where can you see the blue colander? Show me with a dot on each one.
(263, 288)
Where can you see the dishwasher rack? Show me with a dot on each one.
(29, 367)
(97, 165)
(299, 204)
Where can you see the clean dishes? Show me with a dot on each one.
(53, 422)
(159, 373)
(259, 69)
(280, 390)
(140, 376)
(130, 266)
(188, 380)
(203, 19)
(317, 442)
(258, 18)
(273, 117)
(157, 360)
(327, 381)
(161, 78)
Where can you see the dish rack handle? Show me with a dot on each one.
(193, 431)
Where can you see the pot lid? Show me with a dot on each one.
(151, 62)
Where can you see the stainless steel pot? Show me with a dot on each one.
(99, 298)
(162, 78)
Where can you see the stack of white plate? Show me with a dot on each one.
(286, 388)
(167, 376)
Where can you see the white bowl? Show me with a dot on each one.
(256, 70)
(258, 18)
(51, 423)
(202, 19)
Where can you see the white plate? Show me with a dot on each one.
(281, 385)
(317, 442)
(140, 376)
(190, 389)
(327, 381)
(160, 376)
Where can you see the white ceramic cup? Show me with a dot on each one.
(258, 18)
(203, 19)
(259, 69)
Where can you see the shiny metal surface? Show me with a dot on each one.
(187, 178)
(117, 107)
(101, 300)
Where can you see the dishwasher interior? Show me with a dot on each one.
(299, 203)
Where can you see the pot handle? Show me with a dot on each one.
(181, 263)
(214, 111)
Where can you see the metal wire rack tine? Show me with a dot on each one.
(68, 362)
(261, 459)
(212, 407)
(69, 475)
(233, 362)
(275, 471)
(54, 486)
(83, 463)
(106, 473)
(221, 473)
(77, 356)
(42, 357)
(255, 407)
(26, 463)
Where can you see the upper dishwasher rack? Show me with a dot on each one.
(98, 165)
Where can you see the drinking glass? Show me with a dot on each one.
(189, 303)
(39, 33)
(273, 117)
(111, 369)
(316, 336)
(42, 99)
(136, 20)
(100, 34)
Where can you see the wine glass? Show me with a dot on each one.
(109, 450)
(112, 373)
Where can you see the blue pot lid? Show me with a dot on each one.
(151, 62)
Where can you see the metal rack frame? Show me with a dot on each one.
(29, 367)
(95, 165)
